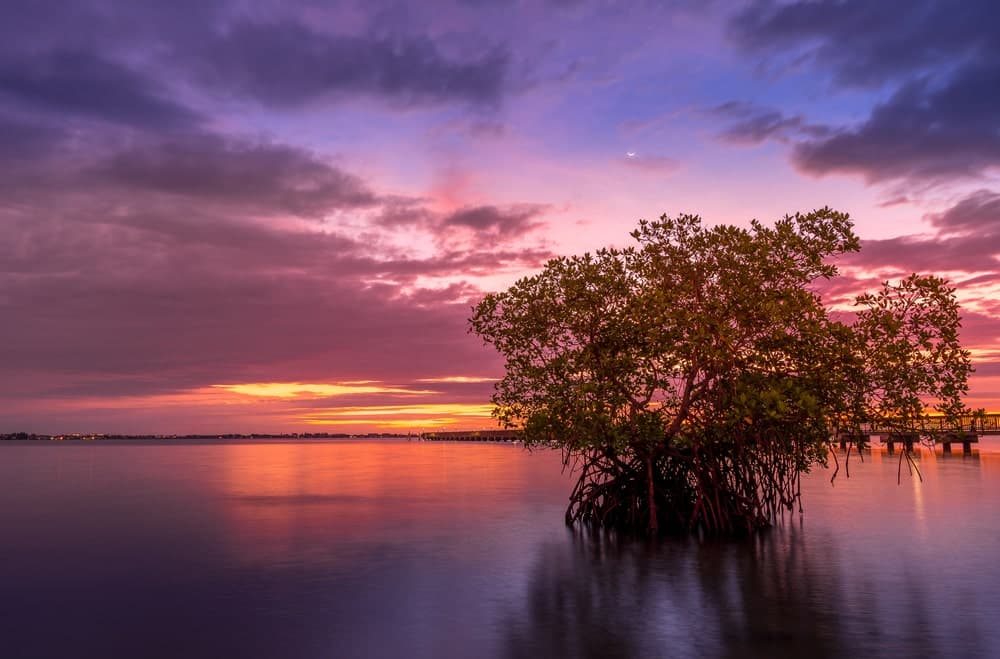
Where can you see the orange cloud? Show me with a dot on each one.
(459, 379)
(320, 390)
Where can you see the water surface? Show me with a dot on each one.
(408, 549)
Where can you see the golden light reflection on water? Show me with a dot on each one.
(920, 513)
(395, 548)
(300, 498)
(278, 494)
(871, 503)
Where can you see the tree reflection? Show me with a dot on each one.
(784, 593)
(586, 598)
(773, 595)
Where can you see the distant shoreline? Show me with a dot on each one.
(23, 436)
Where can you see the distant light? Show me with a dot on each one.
(630, 154)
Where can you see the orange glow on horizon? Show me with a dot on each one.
(459, 379)
(455, 409)
(392, 417)
(316, 390)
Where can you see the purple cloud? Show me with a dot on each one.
(870, 43)
(204, 191)
(151, 260)
(284, 63)
(751, 124)
(966, 241)
(967, 237)
(939, 60)
(923, 132)
(977, 213)
(272, 178)
(471, 226)
(926, 254)
(85, 84)
(492, 220)
(24, 139)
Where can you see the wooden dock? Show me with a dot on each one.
(472, 436)
(988, 424)
(971, 428)
(966, 439)
(984, 424)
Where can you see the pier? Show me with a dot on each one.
(966, 439)
(970, 429)
(908, 440)
(986, 424)
(472, 436)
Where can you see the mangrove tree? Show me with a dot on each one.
(693, 377)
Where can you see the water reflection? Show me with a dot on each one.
(967, 457)
(334, 500)
(395, 549)
(599, 597)
(786, 593)
(585, 599)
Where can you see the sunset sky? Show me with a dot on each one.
(275, 216)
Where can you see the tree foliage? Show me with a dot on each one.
(694, 376)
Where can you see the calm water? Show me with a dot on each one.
(397, 549)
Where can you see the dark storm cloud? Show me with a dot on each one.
(84, 84)
(941, 61)
(285, 63)
(271, 178)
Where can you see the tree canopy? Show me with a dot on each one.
(694, 376)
